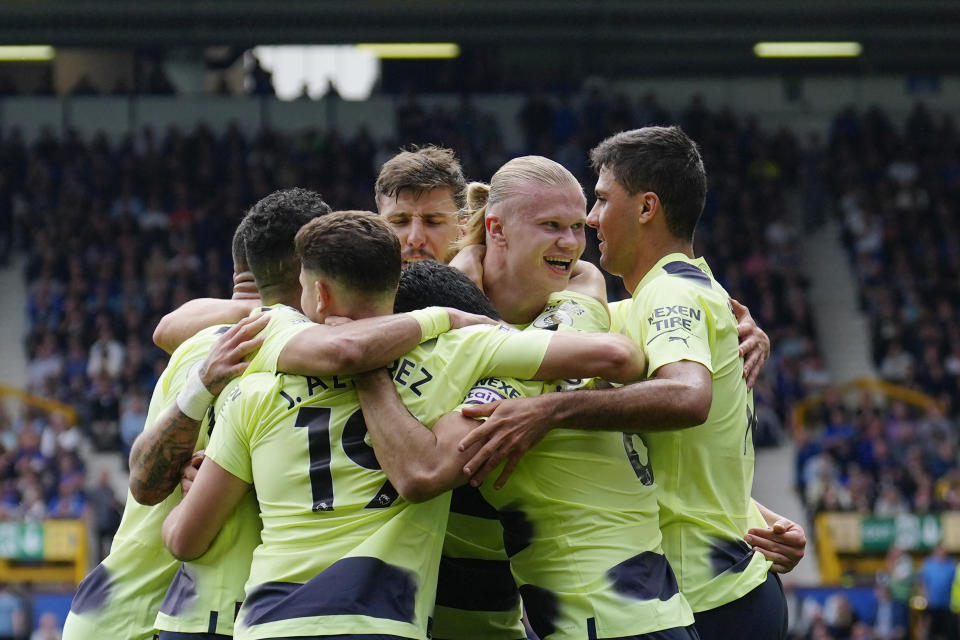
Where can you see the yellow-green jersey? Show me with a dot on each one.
(341, 552)
(580, 524)
(206, 592)
(705, 473)
(618, 314)
(121, 596)
(477, 598)
(580, 528)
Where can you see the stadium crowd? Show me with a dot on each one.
(118, 233)
(897, 195)
(895, 187)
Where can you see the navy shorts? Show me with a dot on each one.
(759, 615)
(677, 633)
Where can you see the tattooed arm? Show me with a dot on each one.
(159, 454)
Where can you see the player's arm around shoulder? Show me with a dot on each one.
(420, 462)
(586, 278)
(369, 343)
(754, 342)
(609, 356)
(166, 444)
(469, 261)
(192, 316)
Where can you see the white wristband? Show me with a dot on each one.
(194, 399)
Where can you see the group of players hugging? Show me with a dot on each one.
(369, 443)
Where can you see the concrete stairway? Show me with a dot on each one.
(13, 324)
(843, 332)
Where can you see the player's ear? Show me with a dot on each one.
(648, 205)
(323, 297)
(494, 226)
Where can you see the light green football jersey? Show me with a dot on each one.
(121, 596)
(206, 592)
(581, 532)
(618, 314)
(705, 473)
(341, 552)
(579, 516)
(477, 598)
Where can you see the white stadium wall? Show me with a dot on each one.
(806, 104)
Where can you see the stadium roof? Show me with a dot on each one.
(610, 36)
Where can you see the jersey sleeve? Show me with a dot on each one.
(674, 323)
(515, 354)
(284, 324)
(188, 355)
(164, 393)
(618, 314)
(594, 316)
(229, 443)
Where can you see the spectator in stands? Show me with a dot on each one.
(861, 631)
(104, 413)
(13, 616)
(133, 415)
(59, 437)
(106, 510)
(891, 621)
(32, 506)
(69, 503)
(936, 582)
(890, 502)
(46, 365)
(840, 616)
(106, 354)
(47, 627)
(897, 363)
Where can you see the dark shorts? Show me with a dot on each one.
(176, 635)
(677, 633)
(759, 615)
(362, 636)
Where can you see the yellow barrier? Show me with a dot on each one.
(830, 568)
(838, 534)
(40, 402)
(62, 557)
(894, 391)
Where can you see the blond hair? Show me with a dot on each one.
(510, 180)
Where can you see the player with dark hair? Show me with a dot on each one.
(122, 596)
(203, 596)
(695, 412)
(431, 283)
(419, 193)
(206, 591)
(341, 554)
(244, 284)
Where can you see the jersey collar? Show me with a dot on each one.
(657, 269)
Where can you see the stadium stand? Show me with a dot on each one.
(896, 452)
(118, 232)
